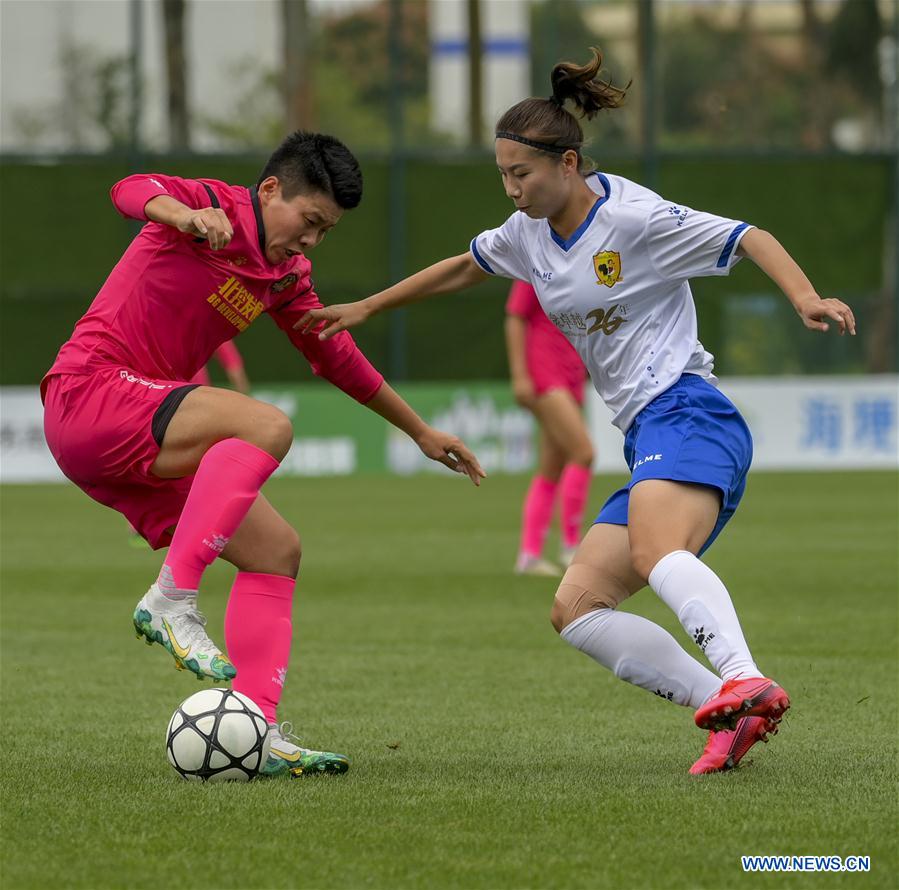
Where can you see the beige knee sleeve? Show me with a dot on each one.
(585, 589)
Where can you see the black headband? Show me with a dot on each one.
(543, 146)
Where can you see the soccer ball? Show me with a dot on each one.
(217, 735)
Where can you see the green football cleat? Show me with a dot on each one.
(289, 759)
(180, 628)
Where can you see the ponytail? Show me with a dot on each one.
(583, 86)
(546, 125)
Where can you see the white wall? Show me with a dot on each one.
(800, 423)
(797, 423)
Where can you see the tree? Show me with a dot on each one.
(173, 17)
(297, 48)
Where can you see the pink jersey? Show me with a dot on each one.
(171, 302)
(551, 359)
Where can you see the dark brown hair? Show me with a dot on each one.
(546, 121)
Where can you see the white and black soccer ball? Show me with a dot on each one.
(217, 735)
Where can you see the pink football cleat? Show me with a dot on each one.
(750, 697)
(725, 749)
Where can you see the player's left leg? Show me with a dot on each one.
(537, 510)
(259, 630)
(668, 525)
(561, 416)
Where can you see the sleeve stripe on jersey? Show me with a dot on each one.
(729, 247)
(481, 261)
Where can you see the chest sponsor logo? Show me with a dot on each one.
(283, 283)
(607, 320)
(234, 302)
(607, 266)
(570, 322)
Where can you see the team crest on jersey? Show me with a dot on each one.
(285, 282)
(607, 265)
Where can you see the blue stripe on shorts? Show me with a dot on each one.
(690, 433)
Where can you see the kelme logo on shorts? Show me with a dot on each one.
(127, 375)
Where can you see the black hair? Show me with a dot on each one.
(306, 162)
(546, 125)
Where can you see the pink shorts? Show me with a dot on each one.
(544, 381)
(105, 430)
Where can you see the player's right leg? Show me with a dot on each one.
(635, 649)
(231, 444)
(560, 415)
(259, 631)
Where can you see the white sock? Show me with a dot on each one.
(703, 606)
(642, 653)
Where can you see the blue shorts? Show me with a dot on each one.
(690, 433)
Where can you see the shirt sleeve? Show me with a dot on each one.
(338, 360)
(522, 300)
(228, 356)
(685, 243)
(130, 195)
(501, 252)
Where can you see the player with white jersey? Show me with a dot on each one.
(610, 261)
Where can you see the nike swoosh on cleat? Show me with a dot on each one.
(179, 650)
(290, 758)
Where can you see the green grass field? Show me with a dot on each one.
(486, 752)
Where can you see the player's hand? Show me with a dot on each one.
(331, 320)
(452, 452)
(210, 223)
(523, 391)
(816, 312)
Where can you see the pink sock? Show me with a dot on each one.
(575, 485)
(537, 514)
(225, 485)
(258, 631)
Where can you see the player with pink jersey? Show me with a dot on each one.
(229, 357)
(185, 463)
(548, 379)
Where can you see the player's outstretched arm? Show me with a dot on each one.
(449, 450)
(209, 223)
(770, 256)
(447, 276)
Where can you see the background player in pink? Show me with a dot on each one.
(185, 463)
(548, 379)
(229, 357)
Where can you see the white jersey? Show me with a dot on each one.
(618, 287)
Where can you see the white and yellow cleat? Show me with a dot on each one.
(288, 758)
(181, 629)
